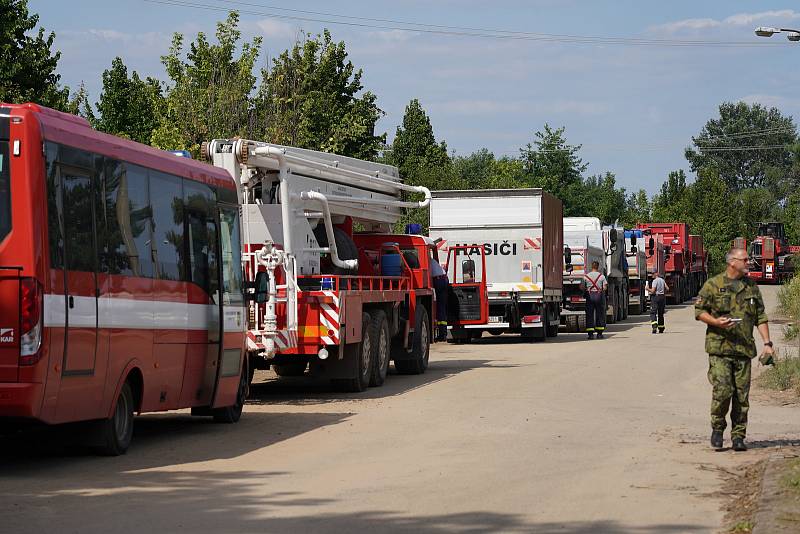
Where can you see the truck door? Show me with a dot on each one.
(466, 271)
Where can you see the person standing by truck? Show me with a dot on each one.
(731, 305)
(595, 285)
(657, 288)
(441, 286)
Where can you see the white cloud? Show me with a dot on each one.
(394, 36)
(737, 20)
(276, 29)
(482, 107)
(781, 102)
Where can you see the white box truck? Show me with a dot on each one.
(519, 235)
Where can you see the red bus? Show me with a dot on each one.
(120, 280)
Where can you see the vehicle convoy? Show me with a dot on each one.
(582, 254)
(698, 266)
(771, 255)
(326, 298)
(677, 259)
(612, 242)
(120, 280)
(637, 271)
(517, 234)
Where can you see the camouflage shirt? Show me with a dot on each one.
(721, 296)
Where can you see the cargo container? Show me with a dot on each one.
(520, 234)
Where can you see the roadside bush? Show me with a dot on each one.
(785, 374)
(789, 306)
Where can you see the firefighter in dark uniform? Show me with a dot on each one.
(594, 287)
(441, 285)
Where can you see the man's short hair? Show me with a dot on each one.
(595, 265)
(733, 252)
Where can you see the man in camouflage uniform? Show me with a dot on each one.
(731, 305)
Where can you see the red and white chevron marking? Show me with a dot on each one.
(442, 245)
(329, 319)
(284, 339)
(532, 243)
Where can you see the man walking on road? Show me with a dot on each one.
(658, 302)
(594, 286)
(731, 305)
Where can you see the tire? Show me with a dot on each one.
(290, 368)
(358, 357)
(580, 324)
(551, 331)
(421, 344)
(381, 348)
(116, 432)
(232, 414)
(345, 246)
(611, 319)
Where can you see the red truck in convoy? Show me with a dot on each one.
(771, 256)
(678, 258)
(698, 266)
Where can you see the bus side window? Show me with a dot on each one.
(129, 220)
(231, 257)
(166, 200)
(201, 237)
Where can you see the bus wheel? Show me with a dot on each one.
(232, 414)
(381, 348)
(116, 432)
(420, 353)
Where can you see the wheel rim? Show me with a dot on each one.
(122, 421)
(383, 350)
(366, 348)
(423, 339)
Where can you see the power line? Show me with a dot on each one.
(457, 31)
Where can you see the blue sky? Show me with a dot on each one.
(633, 108)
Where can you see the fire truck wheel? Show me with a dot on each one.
(290, 368)
(358, 356)
(417, 362)
(552, 330)
(116, 432)
(381, 348)
(232, 414)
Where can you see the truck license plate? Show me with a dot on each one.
(495, 319)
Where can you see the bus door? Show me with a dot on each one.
(466, 271)
(232, 310)
(75, 253)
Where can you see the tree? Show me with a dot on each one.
(638, 209)
(27, 63)
(723, 144)
(599, 197)
(79, 104)
(414, 144)
(210, 91)
(555, 166)
(310, 98)
(128, 106)
(668, 204)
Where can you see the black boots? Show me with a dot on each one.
(738, 444)
(716, 439)
(591, 335)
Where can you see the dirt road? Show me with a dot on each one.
(567, 436)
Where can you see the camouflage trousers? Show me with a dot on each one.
(730, 381)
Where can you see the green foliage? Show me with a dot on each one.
(310, 98)
(599, 197)
(414, 144)
(639, 209)
(129, 106)
(79, 105)
(743, 125)
(554, 165)
(209, 91)
(789, 304)
(27, 63)
(784, 375)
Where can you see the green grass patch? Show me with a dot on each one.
(784, 375)
(742, 527)
(792, 477)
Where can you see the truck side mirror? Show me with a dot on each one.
(613, 235)
(261, 287)
(633, 240)
(651, 244)
(567, 255)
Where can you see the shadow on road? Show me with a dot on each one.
(308, 389)
(159, 440)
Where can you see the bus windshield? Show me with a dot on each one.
(5, 190)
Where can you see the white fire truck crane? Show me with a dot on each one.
(323, 297)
